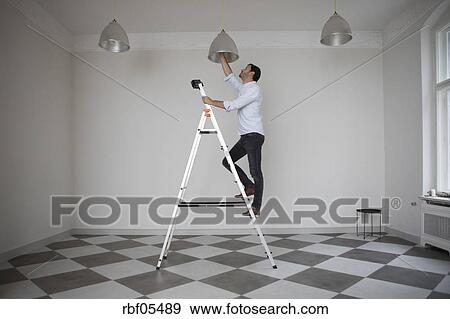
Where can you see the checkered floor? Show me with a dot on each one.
(309, 266)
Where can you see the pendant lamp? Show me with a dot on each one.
(224, 44)
(114, 38)
(336, 31)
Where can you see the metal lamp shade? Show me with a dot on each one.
(223, 43)
(336, 31)
(114, 38)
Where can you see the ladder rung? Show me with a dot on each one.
(208, 131)
(226, 203)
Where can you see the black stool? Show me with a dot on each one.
(364, 212)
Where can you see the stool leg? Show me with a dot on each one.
(364, 225)
(371, 225)
(381, 221)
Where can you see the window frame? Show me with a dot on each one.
(443, 108)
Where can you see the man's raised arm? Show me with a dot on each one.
(225, 66)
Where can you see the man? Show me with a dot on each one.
(248, 105)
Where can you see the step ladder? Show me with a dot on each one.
(208, 113)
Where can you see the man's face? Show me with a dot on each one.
(245, 73)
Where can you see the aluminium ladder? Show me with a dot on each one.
(208, 113)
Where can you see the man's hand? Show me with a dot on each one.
(207, 100)
(225, 66)
(222, 57)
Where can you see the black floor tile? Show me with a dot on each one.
(122, 244)
(324, 279)
(100, 259)
(153, 281)
(82, 236)
(35, 258)
(133, 236)
(68, 281)
(282, 235)
(341, 296)
(410, 277)
(438, 295)
(369, 255)
(428, 252)
(353, 243)
(185, 236)
(68, 244)
(179, 245)
(235, 259)
(10, 275)
(394, 240)
(173, 259)
(303, 258)
(239, 281)
(232, 236)
(290, 243)
(234, 244)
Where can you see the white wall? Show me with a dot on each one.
(410, 118)
(328, 147)
(35, 98)
(403, 131)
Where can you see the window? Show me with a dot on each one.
(444, 54)
(443, 109)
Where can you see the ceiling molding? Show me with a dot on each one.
(247, 39)
(43, 20)
(408, 19)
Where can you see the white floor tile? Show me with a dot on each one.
(139, 252)
(199, 269)
(260, 251)
(310, 238)
(284, 268)
(289, 290)
(378, 289)
(386, 247)
(444, 285)
(330, 250)
(204, 251)
(350, 266)
(50, 268)
(206, 240)
(194, 290)
(103, 239)
(123, 269)
(21, 289)
(81, 251)
(425, 264)
(104, 290)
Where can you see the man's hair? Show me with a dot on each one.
(256, 70)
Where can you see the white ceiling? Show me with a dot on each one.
(91, 16)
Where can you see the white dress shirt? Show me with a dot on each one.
(248, 105)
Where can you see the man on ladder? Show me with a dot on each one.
(248, 105)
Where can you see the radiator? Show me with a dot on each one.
(435, 224)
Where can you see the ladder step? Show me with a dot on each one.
(208, 131)
(225, 203)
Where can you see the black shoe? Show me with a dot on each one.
(249, 191)
(255, 211)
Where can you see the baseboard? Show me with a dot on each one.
(26, 249)
(406, 236)
(234, 231)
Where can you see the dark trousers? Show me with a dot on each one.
(249, 144)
